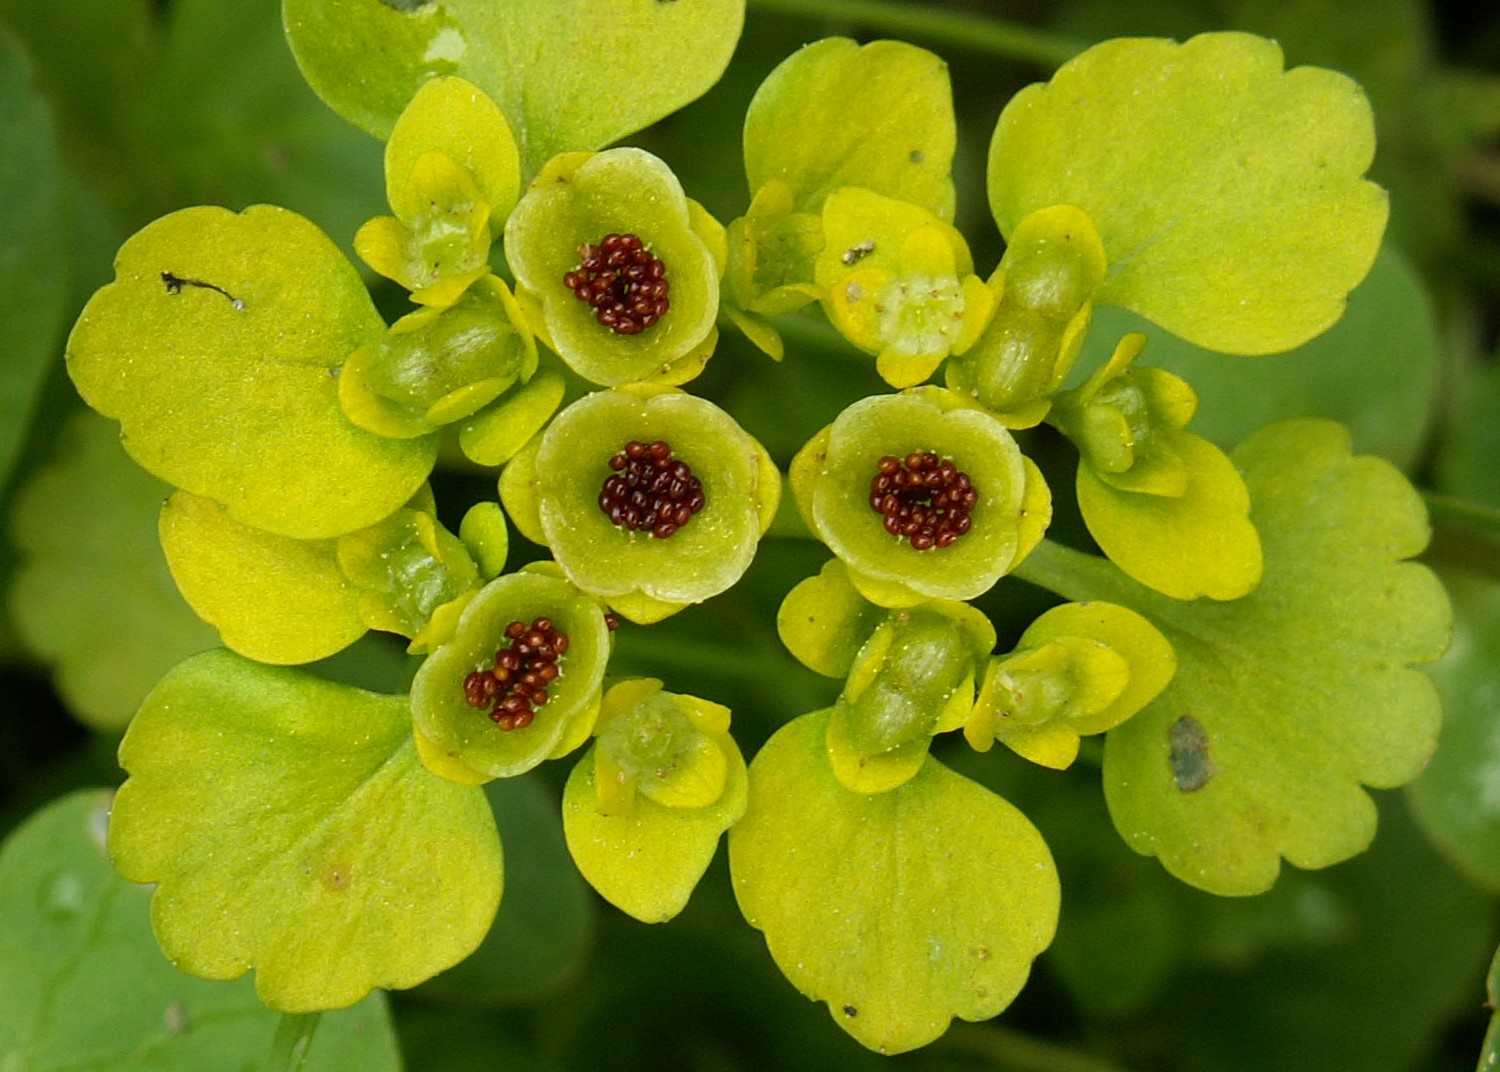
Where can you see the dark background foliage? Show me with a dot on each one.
(115, 112)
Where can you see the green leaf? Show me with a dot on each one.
(86, 987)
(1489, 1059)
(92, 594)
(34, 254)
(367, 58)
(542, 932)
(900, 910)
(1454, 799)
(1375, 370)
(840, 114)
(1227, 192)
(289, 827)
(1288, 700)
(215, 349)
(272, 598)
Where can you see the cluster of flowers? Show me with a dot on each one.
(651, 499)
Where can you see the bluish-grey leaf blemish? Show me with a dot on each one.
(1188, 744)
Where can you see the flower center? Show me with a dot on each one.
(516, 685)
(624, 283)
(924, 498)
(649, 490)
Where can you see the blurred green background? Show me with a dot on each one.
(113, 112)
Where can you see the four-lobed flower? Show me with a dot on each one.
(650, 499)
(921, 496)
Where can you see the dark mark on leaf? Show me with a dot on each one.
(855, 254)
(850, 1010)
(407, 7)
(916, 156)
(1188, 741)
(175, 283)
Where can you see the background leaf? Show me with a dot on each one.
(541, 62)
(86, 987)
(92, 595)
(1457, 798)
(35, 258)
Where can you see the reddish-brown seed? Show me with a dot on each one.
(649, 490)
(622, 281)
(923, 498)
(514, 685)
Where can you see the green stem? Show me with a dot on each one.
(1004, 1048)
(1465, 535)
(294, 1036)
(1448, 510)
(1074, 575)
(956, 29)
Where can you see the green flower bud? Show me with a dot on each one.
(673, 750)
(1123, 421)
(518, 681)
(439, 365)
(1052, 267)
(409, 569)
(707, 492)
(452, 174)
(628, 287)
(771, 254)
(914, 677)
(1080, 669)
(438, 251)
(869, 487)
(1167, 506)
(643, 811)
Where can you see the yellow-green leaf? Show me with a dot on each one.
(1228, 192)
(900, 910)
(215, 348)
(289, 827)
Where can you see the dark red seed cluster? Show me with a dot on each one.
(624, 283)
(924, 498)
(649, 490)
(517, 684)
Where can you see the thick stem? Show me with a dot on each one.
(956, 29)
(294, 1036)
(1075, 575)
